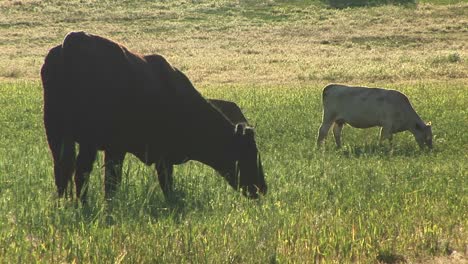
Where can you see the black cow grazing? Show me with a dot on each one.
(104, 97)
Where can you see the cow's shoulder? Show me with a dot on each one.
(155, 59)
(158, 64)
(397, 97)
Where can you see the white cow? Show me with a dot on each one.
(364, 107)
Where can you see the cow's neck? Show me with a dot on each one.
(204, 133)
(416, 120)
(212, 137)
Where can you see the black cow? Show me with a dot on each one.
(104, 97)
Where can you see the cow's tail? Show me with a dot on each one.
(52, 69)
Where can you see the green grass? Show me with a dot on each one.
(363, 203)
(357, 204)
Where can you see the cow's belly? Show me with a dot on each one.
(364, 118)
(124, 135)
(362, 124)
(147, 148)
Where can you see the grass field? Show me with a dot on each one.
(364, 203)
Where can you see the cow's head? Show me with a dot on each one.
(247, 174)
(424, 135)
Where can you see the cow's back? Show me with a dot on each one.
(344, 97)
(96, 86)
(113, 97)
(359, 106)
(366, 107)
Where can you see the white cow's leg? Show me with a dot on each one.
(386, 133)
(337, 127)
(323, 131)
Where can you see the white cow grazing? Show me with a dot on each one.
(363, 107)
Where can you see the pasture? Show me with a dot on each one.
(364, 203)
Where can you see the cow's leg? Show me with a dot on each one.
(327, 121)
(323, 131)
(84, 165)
(386, 133)
(337, 127)
(165, 171)
(113, 161)
(63, 152)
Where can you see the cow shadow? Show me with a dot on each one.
(362, 151)
(121, 209)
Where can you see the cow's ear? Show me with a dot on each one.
(239, 130)
(429, 124)
(418, 127)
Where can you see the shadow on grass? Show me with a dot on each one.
(154, 205)
(388, 257)
(71, 212)
(382, 151)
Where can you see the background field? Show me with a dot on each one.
(363, 203)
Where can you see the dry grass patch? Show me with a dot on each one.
(264, 43)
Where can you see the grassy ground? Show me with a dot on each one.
(363, 203)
